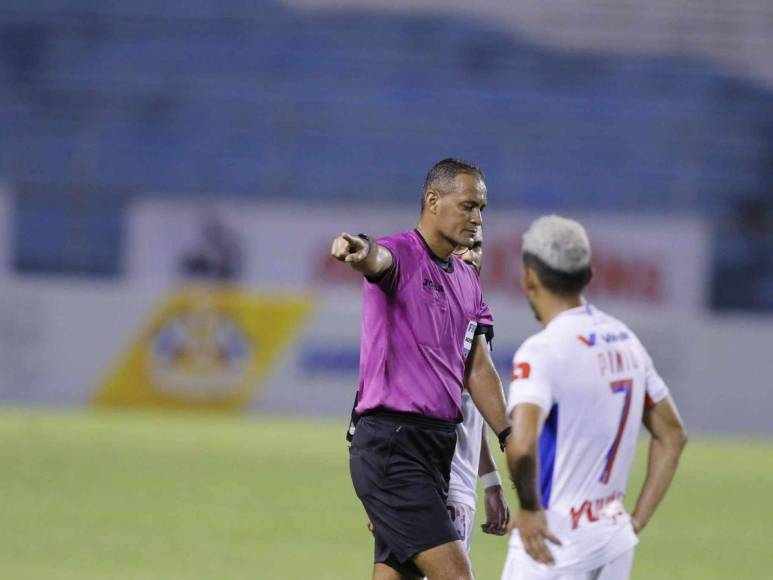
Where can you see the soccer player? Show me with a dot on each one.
(423, 337)
(581, 388)
(473, 458)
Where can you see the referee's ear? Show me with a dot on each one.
(431, 199)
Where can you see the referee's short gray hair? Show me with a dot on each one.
(559, 242)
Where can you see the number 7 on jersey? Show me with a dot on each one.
(624, 386)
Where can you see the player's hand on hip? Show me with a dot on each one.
(350, 249)
(371, 529)
(637, 527)
(533, 529)
(497, 512)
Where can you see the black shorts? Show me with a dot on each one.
(400, 466)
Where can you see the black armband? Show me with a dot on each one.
(485, 329)
(503, 437)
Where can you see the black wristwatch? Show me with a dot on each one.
(503, 437)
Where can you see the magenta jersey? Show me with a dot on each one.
(418, 324)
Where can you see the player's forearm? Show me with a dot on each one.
(378, 261)
(486, 463)
(661, 467)
(522, 465)
(487, 394)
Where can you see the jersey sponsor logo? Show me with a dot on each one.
(609, 507)
(521, 370)
(615, 337)
(428, 283)
(608, 338)
(589, 340)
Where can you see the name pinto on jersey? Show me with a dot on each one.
(612, 360)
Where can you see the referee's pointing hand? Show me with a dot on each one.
(350, 249)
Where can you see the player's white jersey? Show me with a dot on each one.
(592, 377)
(464, 467)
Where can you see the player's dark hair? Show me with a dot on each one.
(444, 171)
(557, 282)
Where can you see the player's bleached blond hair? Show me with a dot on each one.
(559, 242)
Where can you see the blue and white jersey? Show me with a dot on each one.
(592, 377)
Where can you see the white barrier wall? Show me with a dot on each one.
(60, 343)
(58, 339)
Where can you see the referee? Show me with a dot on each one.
(424, 324)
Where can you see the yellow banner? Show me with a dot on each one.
(206, 348)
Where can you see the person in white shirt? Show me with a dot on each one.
(473, 458)
(581, 389)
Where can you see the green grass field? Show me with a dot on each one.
(119, 496)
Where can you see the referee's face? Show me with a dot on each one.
(459, 216)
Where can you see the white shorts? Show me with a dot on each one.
(463, 518)
(617, 569)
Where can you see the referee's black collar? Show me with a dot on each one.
(446, 265)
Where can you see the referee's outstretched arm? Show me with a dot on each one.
(485, 387)
(370, 259)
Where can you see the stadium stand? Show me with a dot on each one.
(101, 101)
